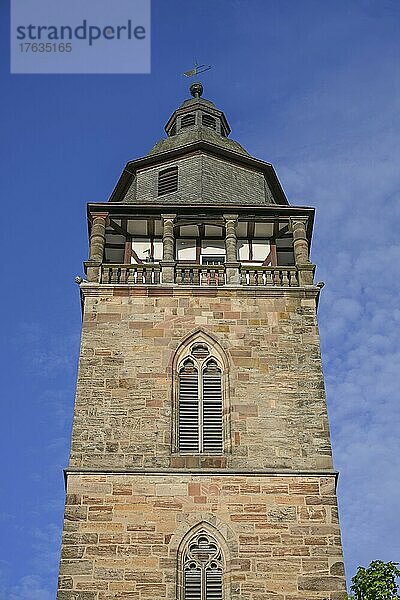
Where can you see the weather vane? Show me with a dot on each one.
(196, 89)
(197, 69)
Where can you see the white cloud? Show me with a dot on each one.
(30, 587)
(347, 166)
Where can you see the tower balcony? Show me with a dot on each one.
(265, 248)
(199, 275)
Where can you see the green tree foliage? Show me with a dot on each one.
(376, 582)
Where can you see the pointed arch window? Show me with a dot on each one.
(203, 567)
(200, 402)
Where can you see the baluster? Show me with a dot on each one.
(275, 278)
(139, 275)
(130, 275)
(268, 278)
(191, 276)
(156, 275)
(114, 275)
(252, 277)
(285, 278)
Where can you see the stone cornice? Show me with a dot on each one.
(105, 289)
(82, 472)
(224, 472)
(243, 210)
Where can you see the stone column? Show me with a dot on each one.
(96, 249)
(231, 264)
(301, 251)
(168, 261)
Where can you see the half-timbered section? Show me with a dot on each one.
(205, 249)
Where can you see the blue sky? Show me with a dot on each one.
(310, 85)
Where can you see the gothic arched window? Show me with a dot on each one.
(202, 568)
(200, 402)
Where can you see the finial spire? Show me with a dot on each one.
(196, 89)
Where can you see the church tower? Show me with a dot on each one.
(200, 464)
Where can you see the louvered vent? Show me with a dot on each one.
(188, 120)
(168, 181)
(188, 408)
(208, 121)
(213, 583)
(212, 408)
(192, 585)
(200, 403)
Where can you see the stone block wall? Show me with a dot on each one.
(122, 535)
(276, 414)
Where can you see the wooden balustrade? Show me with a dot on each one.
(199, 275)
(269, 276)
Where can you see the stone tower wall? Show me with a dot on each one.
(275, 406)
(122, 535)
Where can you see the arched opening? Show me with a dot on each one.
(201, 566)
(200, 393)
